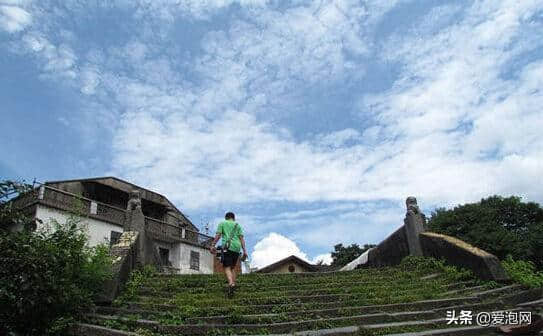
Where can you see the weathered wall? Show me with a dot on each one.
(206, 259)
(410, 239)
(124, 255)
(174, 256)
(284, 268)
(99, 232)
(360, 261)
(390, 251)
(462, 254)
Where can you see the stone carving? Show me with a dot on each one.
(412, 206)
(414, 224)
(134, 203)
(135, 221)
(413, 209)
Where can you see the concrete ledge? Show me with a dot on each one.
(81, 329)
(390, 251)
(361, 260)
(124, 256)
(464, 331)
(459, 253)
(352, 330)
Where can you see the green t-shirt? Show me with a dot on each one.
(227, 229)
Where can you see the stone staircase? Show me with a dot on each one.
(388, 301)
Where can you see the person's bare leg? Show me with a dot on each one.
(233, 276)
(228, 272)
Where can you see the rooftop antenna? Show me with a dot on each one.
(206, 227)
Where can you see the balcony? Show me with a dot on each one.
(85, 207)
(170, 233)
(75, 204)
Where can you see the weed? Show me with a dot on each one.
(523, 272)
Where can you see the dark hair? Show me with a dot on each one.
(230, 215)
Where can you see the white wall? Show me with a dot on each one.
(98, 231)
(206, 259)
(174, 256)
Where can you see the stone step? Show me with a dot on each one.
(499, 291)
(250, 289)
(243, 280)
(457, 331)
(343, 312)
(266, 308)
(368, 321)
(202, 280)
(351, 330)
(464, 290)
(86, 329)
(330, 289)
(280, 286)
(382, 321)
(356, 330)
(534, 303)
(524, 297)
(260, 300)
(266, 276)
(295, 308)
(289, 305)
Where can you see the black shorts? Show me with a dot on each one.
(229, 258)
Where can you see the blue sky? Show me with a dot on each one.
(312, 120)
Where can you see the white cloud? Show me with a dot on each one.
(326, 259)
(272, 248)
(457, 116)
(339, 138)
(13, 18)
(454, 127)
(168, 9)
(57, 61)
(91, 79)
(185, 140)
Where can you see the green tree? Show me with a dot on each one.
(9, 216)
(499, 225)
(342, 255)
(47, 276)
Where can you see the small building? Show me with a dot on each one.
(108, 206)
(291, 264)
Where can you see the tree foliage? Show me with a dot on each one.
(501, 226)
(9, 216)
(342, 255)
(47, 276)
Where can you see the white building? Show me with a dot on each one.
(102, 203)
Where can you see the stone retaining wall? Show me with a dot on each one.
(390, 251)
(459, 253)
(125, 259)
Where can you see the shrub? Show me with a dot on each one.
(427, 264)
(523, 272)
(411, 263)
(135, 282)
(48, 277)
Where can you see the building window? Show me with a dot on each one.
(195, 260)
(164, 256)
(291, 268)
(114, 237)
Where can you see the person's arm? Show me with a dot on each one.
(215, 240)
(245, 255)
